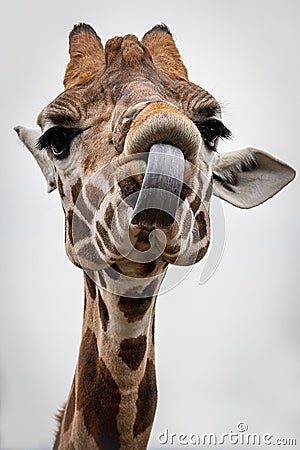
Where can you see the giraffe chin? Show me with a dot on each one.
(159, 196)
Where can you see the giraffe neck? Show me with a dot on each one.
(112, 401)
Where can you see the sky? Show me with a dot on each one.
(227, 350)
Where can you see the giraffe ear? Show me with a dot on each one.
(29, 138)
(248, 177)
(165, 55)
(86, 56)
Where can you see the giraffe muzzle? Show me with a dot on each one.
(159, 197)
(161, 122)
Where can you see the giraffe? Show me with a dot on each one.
(131, 146)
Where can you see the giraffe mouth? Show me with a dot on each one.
(159, 196)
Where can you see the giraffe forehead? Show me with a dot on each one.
(130, 77)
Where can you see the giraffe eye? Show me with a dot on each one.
(211, 130)
(57, 140)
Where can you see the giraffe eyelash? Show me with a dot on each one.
(57, 140)
(211, 130)
(46, 138)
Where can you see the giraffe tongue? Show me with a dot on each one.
(159, 196)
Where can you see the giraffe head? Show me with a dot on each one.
(131, 145)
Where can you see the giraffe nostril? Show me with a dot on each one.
(132, 111)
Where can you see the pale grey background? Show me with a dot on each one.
(227, 351)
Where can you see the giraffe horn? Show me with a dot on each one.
(159, 197)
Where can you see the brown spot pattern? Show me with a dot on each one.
(60, 187)
(202, 252)
(76, 189)
(149, 291)
(98, 395)
(80, 229)
(146, 401)
(105, 238)
(185, 192)
(69, 220)
(173, 250)
(70, 409)
(195, 204)
(201, 225)
(93, 195)
(109, 214)
(209, 192)
(99, 244)
(103, 311)
(90, 286)
(132, 351)
(129, 186)
(134, 308)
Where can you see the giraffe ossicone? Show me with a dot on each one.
(130, 211)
